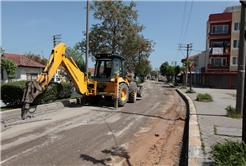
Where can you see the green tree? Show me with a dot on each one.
(118, 21)
(144, 70)
(188, 63)
(89, 74)
(182, 69)
(136, 52)
(10, 68)
(77, 57)
(176, 72)
(2, 51)
(36, 58)
(170, 72)
(163, 68)
(153, 73)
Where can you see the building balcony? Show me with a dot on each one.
(218, 68)
(220, 51)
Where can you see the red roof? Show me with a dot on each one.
(191, 58)
(22, 60)
(92, 71)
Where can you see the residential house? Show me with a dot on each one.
(27, 68)
(183, 77)
(222, 41)
(199, 63)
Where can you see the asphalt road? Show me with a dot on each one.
(94, 134)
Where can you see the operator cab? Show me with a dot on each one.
(107, 65)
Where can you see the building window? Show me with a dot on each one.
(235, 43)
(223, 62)
(219, 29)
(28, 77)
(234, 61)
(218, 61)
(237, 26)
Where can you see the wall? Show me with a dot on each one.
(234, 36)
(25, 70)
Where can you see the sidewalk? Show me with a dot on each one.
(214, 125)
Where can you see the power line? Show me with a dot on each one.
(188, 21)
(39, 42)
(26, 27)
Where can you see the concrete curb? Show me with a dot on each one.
(195, 156)
(38, 109)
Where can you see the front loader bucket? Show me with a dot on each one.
(32, 90)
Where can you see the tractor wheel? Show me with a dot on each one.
(123, 95)
(133, 96)
(93, 99)
(132, 92)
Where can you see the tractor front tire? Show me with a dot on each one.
(123, 95)
(132, 92)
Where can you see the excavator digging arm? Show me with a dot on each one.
(34, 88)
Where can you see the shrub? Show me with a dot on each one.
(232, 112)
(183, 87)
(12, 93)
(50, 94)
(176, 84)
(204, 96)
(67, 90)
(229, 153)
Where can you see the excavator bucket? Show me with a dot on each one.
(32, 90)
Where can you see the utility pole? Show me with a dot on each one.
(241, 64)
(242, 48)
(188, 48)
(87, 38)
(56, 39)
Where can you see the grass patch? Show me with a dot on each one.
(170, 82)
(72, 97)
(229, 153)
(204, 96)
(233, 95)
(7, 108)
(183, 87)
(232, 112)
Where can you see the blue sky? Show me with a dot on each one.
(30, 26)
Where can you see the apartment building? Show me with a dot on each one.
(222, 41)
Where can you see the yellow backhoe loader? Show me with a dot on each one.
(109, 80)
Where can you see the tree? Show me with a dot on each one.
(163, 68)
(170, 72)
(89, 74)
(176, 72)
(77, 57)
(182, 69)
(117, 33)
(144, 70)
(188, 63)
(10, 68)
(2, 51)
(136, 52)
(118, 22)
(36, 58)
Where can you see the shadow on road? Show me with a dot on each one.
(120, 152)
(93, 160)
